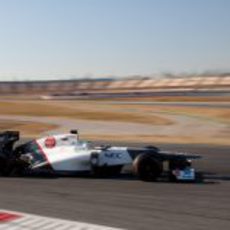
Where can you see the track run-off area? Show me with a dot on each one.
(138, 121)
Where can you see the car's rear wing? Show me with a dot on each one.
(7, 140)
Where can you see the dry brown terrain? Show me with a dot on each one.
(84, 110)
(215, 114)
(173, 99)
(100, 120)
(26, 128)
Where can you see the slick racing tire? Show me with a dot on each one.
(2, 167)
(147, 168)
(12, 168)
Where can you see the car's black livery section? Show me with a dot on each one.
(159, 154)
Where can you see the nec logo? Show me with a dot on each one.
(113, 155)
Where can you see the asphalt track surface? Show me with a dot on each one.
(126, 202)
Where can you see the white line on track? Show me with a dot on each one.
(10, 220)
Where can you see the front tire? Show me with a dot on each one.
(147, 168)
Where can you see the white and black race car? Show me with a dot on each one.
(65, 154)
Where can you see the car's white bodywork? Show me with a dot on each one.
(70, 154)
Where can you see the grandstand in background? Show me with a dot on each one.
(86, 87)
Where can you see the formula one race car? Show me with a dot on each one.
(65, 154)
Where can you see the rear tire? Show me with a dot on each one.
(147, 168)
(2, 166)
(12, 168)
